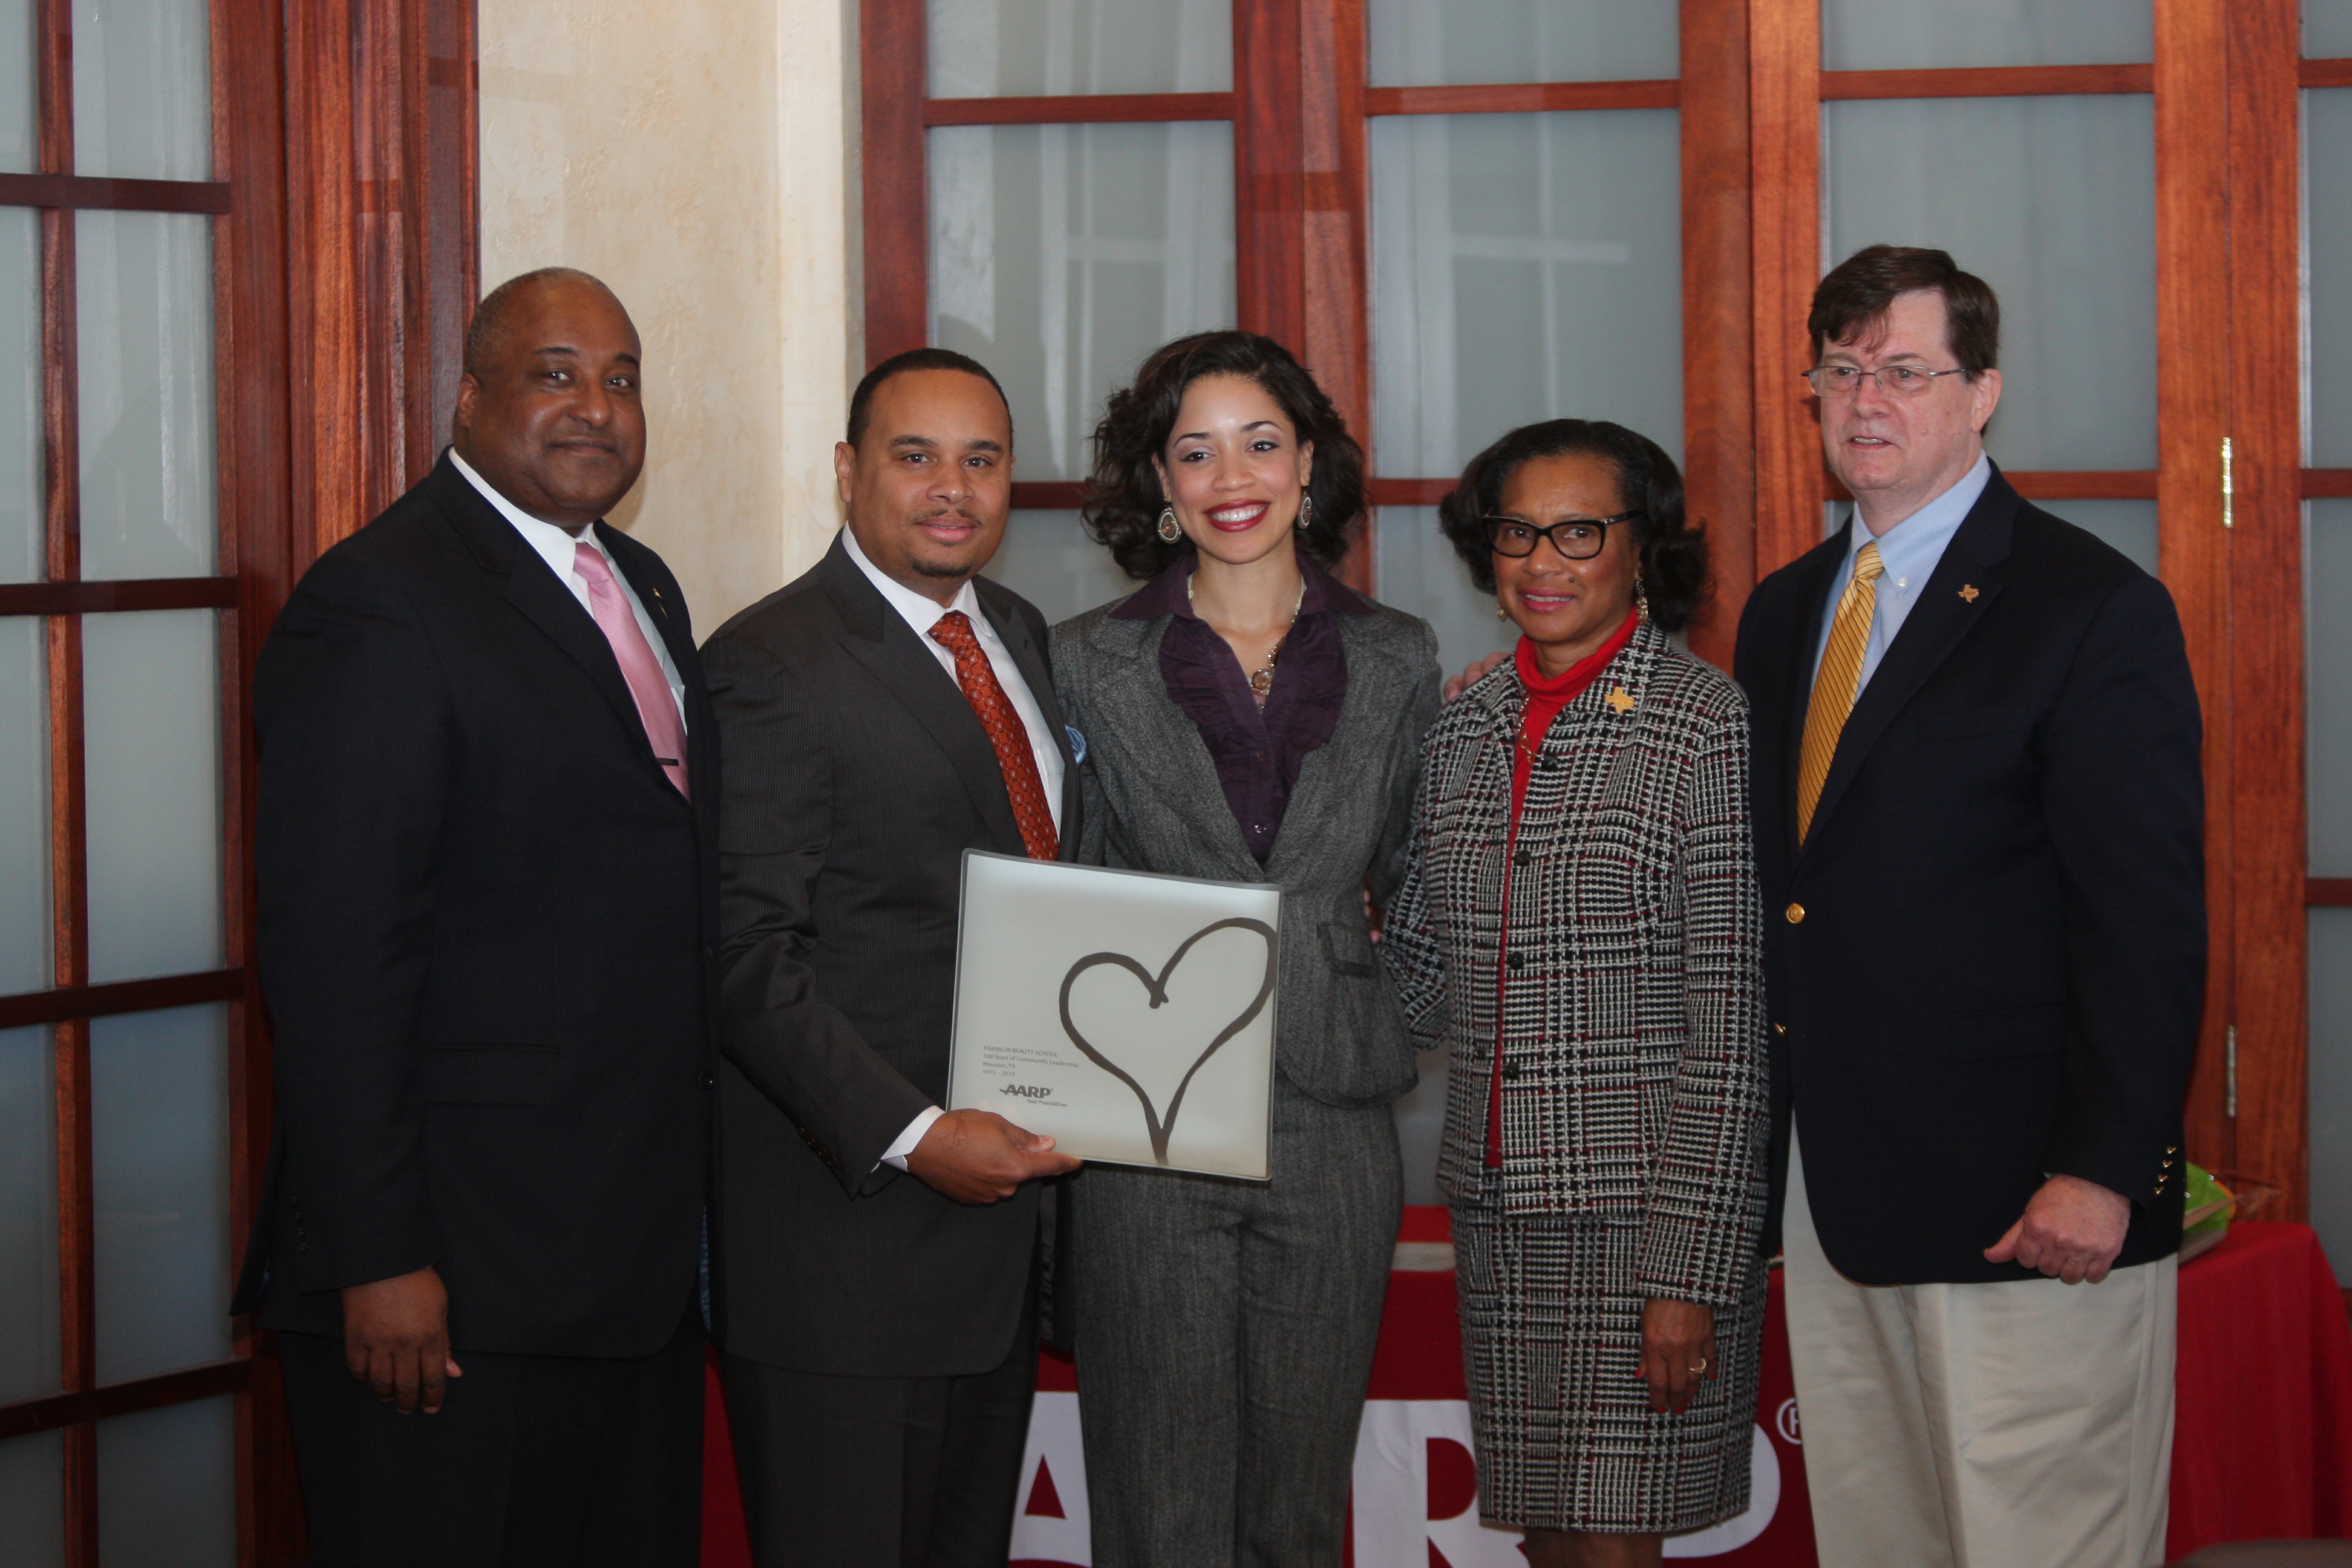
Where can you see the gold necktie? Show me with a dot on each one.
(1833, 688)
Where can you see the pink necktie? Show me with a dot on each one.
(639, 668)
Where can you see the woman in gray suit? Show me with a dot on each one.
(1246, 717)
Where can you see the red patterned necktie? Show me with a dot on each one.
(1006, 732)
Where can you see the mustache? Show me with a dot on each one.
(962, 514)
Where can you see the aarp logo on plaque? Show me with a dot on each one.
(1127, 1015)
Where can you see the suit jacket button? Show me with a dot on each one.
(1521, 859)
(1516, 960)
(1796, 914)
(1780, 1028)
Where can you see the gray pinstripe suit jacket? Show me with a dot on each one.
(1153, 803)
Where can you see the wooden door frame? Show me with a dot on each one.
(344, 199)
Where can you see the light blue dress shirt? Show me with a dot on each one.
(1909, 551)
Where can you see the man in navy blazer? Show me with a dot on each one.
(1978, 822)
(487, 868)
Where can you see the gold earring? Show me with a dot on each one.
(1500, 612)
(1169, 529)
(1641, 600)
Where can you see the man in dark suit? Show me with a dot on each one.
(485, 858)
(881, 715)
(1979, 821)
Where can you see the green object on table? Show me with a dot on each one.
(2207, 1203)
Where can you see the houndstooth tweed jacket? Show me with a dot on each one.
(1634, 1081)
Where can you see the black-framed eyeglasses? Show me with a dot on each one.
(1900, 380)
(1578, 537)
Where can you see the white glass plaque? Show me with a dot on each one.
(1127, 1015)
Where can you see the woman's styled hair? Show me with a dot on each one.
(1123, 495)
(1673, 565)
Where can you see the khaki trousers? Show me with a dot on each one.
(1984, 1425)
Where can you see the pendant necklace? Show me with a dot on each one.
(1260, 679)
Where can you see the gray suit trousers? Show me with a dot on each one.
(1225, 1335)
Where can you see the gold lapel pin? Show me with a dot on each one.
(1968, 591)
(1620, 700)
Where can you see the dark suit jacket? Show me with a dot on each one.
(485, 922)
(2000, 961)
(857, 776)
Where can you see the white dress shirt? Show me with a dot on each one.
(559, 546)
(921, 614)
(1910, 551)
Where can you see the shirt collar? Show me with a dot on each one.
(1917, 543)
(916, 610)
(1165, 594)
(556, 544)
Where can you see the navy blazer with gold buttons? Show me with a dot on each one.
(1986, 963)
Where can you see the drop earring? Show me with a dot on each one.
(1500, 612)
(1305, 511)
(1641, 600)
(1168, 529)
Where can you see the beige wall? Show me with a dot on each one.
(699, 155)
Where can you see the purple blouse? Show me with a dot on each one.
(1258, 752)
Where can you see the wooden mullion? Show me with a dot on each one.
(107, 194)
(893, 71)
(1269, 196)
(24, 1416)
(2052, 484)
(1988, 81)
(1079, 109)
(1717, 312)
(69, 806)
(2269, 929)
(1523, 97)
(1784, 52)
(2193, 330)
(1336, 202)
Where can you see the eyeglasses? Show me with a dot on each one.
(1577, 539)
(1901, 380)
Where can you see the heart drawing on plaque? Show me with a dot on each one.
(1155, 987)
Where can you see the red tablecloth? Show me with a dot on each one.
(2263, 1445)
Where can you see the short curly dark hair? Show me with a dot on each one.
(1123, 494)
(1673, 554)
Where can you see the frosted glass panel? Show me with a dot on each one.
(145, 334)
(2327, 29)
(167, 1487)
(1429, 43)
(2327, 624)
(1020, 48)
(2053, 202)
(1524, 266)
(1923, 35)
(150, 688)
(2328, 240)
(1061, 255)
(28, 1223)
(20, 124)
(1420, 573)
(141, 88)
(159, 1110)
(23, 806)
(20, 395)
(1048, 560)
(32, 1501)
(2129, 525)
(2330, 1080)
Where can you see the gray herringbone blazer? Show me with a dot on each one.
(1153, 803)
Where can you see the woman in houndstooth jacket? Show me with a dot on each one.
(1579, 927)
